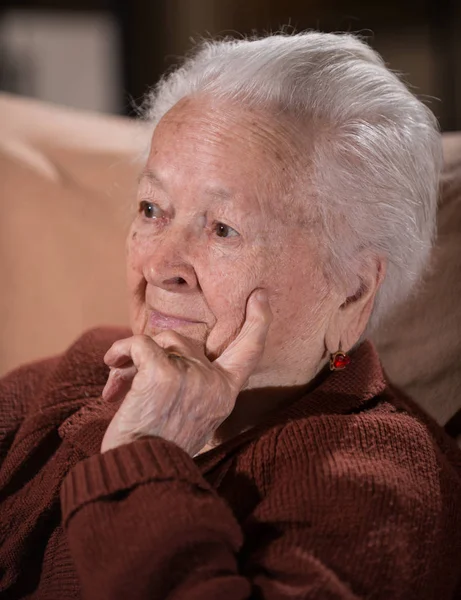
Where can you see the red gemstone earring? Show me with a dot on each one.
(339, 360)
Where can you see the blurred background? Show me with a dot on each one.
(103, 55)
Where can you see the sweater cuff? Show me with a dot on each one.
(124, 468)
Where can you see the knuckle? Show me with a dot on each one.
(142, 341)
(115, 348)
(141, 349)
(168, 337)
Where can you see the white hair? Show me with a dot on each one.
(374, 150)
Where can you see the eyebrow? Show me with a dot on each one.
(151, 176)
(216, 192)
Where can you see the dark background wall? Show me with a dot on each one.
(421, 40)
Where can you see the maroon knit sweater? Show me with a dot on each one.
(349, 493)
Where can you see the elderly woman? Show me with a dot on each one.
(246, 443)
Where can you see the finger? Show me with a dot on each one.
(119, 383)
(242, 356)
(172, 341)
(138, 349)
(115, 356)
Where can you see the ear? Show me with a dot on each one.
(351, 317)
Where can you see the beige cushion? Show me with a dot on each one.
(66, 181)
(420, 345)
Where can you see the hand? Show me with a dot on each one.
(180, 399)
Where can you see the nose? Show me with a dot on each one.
(168, 265)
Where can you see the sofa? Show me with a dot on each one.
(67, 191)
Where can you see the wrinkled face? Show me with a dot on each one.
(216, 220)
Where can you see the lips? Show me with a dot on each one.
(158, 319)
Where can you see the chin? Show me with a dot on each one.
(195, 332)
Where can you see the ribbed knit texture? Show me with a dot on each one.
(351, 492)
(126, 467)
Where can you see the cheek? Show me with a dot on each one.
(226, 288)
(228, 277)
(298, 298)
(136, 249)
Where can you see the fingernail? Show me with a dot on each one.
(261, 295)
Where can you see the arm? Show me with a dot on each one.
(142, 513)
(143, 523)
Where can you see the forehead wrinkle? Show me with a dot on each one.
(273, 152)
(217, 127)
(214, 192)
(208, 120)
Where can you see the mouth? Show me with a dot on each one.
(163, 321)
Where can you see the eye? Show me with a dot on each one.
(224, 231)
(149, 209)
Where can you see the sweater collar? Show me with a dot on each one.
(340, 392)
